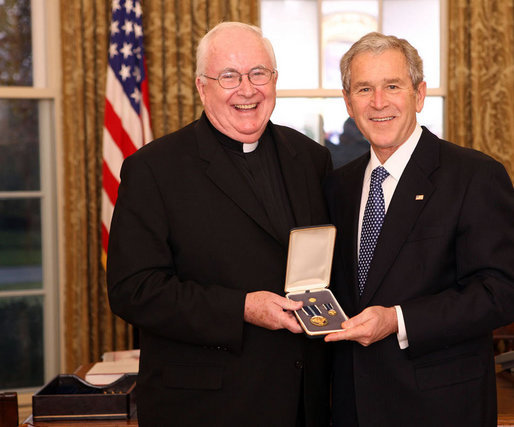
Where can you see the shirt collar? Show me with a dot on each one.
(399, 159)
(248, 148)
(232, 144)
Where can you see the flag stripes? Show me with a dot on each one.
(127, 108)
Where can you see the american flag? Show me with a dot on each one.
(127, 109)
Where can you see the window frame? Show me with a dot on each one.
(46, 90)
(320, 92)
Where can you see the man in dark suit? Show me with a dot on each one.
(198, 248)
(427, 292)
(350, 146)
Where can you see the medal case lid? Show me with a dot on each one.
(309, 259)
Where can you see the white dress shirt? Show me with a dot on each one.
(395, 165)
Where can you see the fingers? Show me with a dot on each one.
(288, 304)
(271, 311)
(352, 322)
(360, 333)
(291, 324)
(371, 325)
(285, 314)
(335, 336)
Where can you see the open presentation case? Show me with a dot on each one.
(309, 264)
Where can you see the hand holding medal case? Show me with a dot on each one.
(309, 264)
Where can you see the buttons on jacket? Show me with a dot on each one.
(299, 364)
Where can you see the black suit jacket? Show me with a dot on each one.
(188, 240)
(446, 256)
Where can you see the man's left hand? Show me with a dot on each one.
(371, 325)
(271, 311)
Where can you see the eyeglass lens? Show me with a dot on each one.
(257, 76)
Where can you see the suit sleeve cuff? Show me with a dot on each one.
(402, 332)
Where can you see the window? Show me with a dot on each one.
(28, 227)
(311, 36)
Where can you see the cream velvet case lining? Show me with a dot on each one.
(309, 264)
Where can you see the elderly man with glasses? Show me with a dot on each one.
(198, 249)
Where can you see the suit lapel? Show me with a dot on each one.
(344, 189)
(295, 180)
(403, 211)
(350, 224)
(227, 177)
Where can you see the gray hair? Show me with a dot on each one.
(202, 50)
(378, 43)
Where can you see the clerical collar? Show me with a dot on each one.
(248, 148)
(232, 144)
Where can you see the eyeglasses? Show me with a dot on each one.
(232, 79)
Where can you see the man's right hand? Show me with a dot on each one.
(272, 311)
(371, 325)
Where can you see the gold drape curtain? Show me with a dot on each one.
(481, 83)
(171, 30)
(481, 77)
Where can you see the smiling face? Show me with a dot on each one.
(241, 113)
(382, 100)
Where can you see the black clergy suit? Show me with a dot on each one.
(188, 241)
(446, 256)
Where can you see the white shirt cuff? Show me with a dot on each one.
(402, 332)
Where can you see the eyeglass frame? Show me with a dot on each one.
(272, 72)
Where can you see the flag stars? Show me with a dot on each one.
(137, 52)
(129, 6)
(136, 96)
(124, 72)
(113, 50)
(137, 74)
(126, 50)
(137, 9)
(114, 27)
(128, 27)
(138, 30)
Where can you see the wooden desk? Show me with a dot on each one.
(505, 392)
(97, 423)
(81, 372)
(504, 386)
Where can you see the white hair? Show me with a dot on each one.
(202, 51)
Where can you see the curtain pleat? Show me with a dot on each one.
(87, 321)
(481, 77)
(172, 29)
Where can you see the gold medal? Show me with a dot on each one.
(318, 321)
(330, 309)
(312, 299)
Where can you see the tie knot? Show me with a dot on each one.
(378, 175)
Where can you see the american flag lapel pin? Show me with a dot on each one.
(419, 196)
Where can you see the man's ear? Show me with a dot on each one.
(348, 103)
(200, 86)
(421, 92)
